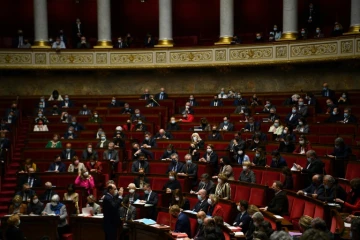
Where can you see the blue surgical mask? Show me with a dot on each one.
(70, 132)
(200, 221)
(103, 138)
(199, 197)
(326, 187)
(293, 111)
(276, 124)
(225, 122)
(309, 159)
(334, 113)
(146, 192)
(346, 115)
(40, 115)
(317, 31)
(137, 114)
(189, 162)
(113, 101)
(257, 155)
(66, 99)
(301, 103)
(139, 122)
(73, 123)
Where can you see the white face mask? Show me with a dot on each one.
(219, 181)
(195, 139)
(209, 201)
(245, 168)
(115, 192)
(131, 190)
(89, 149)
(53, 204)
(238, 208)
(171, 177)
(177, 199)
(209, 150)
(35, 201)
(240, 152)
(86, 174)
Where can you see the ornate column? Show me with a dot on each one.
(290, 18)
(165, 24)
(226, 22)
(41, 24)
(355, 18)
(104, 24)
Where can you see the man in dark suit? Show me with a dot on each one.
(163, 135)
(115, 103)
(175, 165)
(149, 141)
(149, 41)
(150, 197)
(206, 184)
(146, 95)
(187, 109)
(243, 218)
(4, 141)
(67, 103)
(70, 134)
(327, 92)
(68, 153)
(216, 102)
(279, 204)
(193, 101)
(83, 44)
(57, 165)
(182, 224)
(313, 166)
(26, 193)
(136, 151)
(120, 43)
(236, 143)
(77, 126)
(240, 101)
(189, 169)
(78, 31)
(251, 125)
(292, 118)
(315, 188)
(202, 204)
(201, 217)
(30, 178)
(141, 163)
(111, 205)
(48, 193)
(162, 95)
(226, 125)
(302, 109)
(127, 110)
(332, 190)
(111, 155)
(127, 211)
(348, 117)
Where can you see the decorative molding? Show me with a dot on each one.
(251, 53)
(101, 58)
(347, 46)
(15, 58)
(160, 57)
(71, 58)
(314, 49)
(128, 58)
(220, 55)
(40, 58)
(358, 46)
(281, 52)
(191, 56)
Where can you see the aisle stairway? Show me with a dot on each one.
(9, 184)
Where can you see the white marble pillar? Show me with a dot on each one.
(165, 24)
(226, 22)
(40, 24)
(290, 20)
(104, 24)
(354, 17)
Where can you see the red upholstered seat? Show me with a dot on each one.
(352, 170)
(227, 211)
(226, 235)
(241, 193)
(258, 175)
(158, 167)
(201, 170)
(67, 236)
(193, 226)
(158, 183)
(237, 170)
(269, 177)
(319, 212)
(163, 218)
(257, 197)
(192, 201)
(273, 224)
(297, 209)
(124, 181)
(309, 209)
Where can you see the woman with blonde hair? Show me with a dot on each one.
(223, 189)
(197, 141)
(13, 231)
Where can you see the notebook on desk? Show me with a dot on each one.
(197, 128)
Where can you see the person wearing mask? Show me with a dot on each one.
(352, 202)
(201, 218)
(215, 208)
(77, 126)
(313, 166)
(111, 205)
(145, 95)
(236, 143)
(247, 175)
(137, 116)
(40, 127)
(338, 30)
(91, 202)
(197, 141)
(268, 105)
(187, 109)
(57, 166)
(58, 44)
(35, 207)
(276, 129)
(120, 43)
(55, 96)
(133, 196)
(95, 118)
(90, 153)
(141, 180)
(136, 151)
(172, 184)
(17, 206)
(240, 157)
(226, 125)
(344, 99)
(335, 116)
(225, 168)
(276, 33)
(13, 231)
(277, 160)
(70, 134)
(222, 94)
(162, 95)
(103, 143)
(215, 134)
(163, 135)
(55, 207)
(258, 38)
(99, 132)
(85, 180)
(93, 166)
(54, 143)
(288, 179)
(318, 33)
(168, 152)
(140, 165)
(241, 107)
(189, 169)
(179, 200)
(286, 144)
(251, 125)
(279, 204)
(48, 193)
(303, 34)
(348, 117)
(243, 218)
(182, 224)
(152, 102)
(68, 153)
(76, 166)
(202, 204)
(83, 44)
(195, 154)
(114, 103)
(127, 109)
(259, 158)
(315, 189)
(150, 197)
(292, 118)
(341, 151)
(173, 125)
(111, 155)
(149, 141)
(302, 126)
(192, 101)
(55, 111)
(303, 147)
(210, 157)
(65, 117)
(67, 103)
(332, 190)
(223, 189)
(119, 141)
(330, 106)
(216, 102)
(30, 178)
(73, 196)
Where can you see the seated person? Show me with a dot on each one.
(48, 193)
(315, 188)
(136, 150)
(210, 157)
(68, 153)
(262, 135)
(341, 151)
(352, 202)
(70, 134)
(215, 208)
(4, 127)
(215, 134)
(223, 189)
(225, 168)
(119, 130)
(301, 108)
(76, 166)
(276, 129)
(40, 127)
(241, 109)
(163, 135)
(292, 118)
(95, 118)
(140, 165)
(240, 157)
(288, 181)
(140, 126)
(127, 109)
(172, 184)
(273, 116)
(149, 141)
(58, 209)
(35, 206)
(197, 141)
(42, 118)
(103, 143)
(72, 195)
(279, 204)
(243, 218)
(338, 30)
(94, 166)
(30, 178)
(259, 38)
(137, 116)
(189, 169)
(288, 131)
(54, 143)
(65, 117)
(239, 100)
(251, 125)
(90, 153)
(133, 196)
(141, 180)
(26, 192)
(119, 141)
(179, 200)
(85, 111)
(168, 152)
(344, 99)
(302, 126)
(195, 154)
(335, 116)
(91, 202)
(332, 190)
(187, 109)
(17, 206)
(182, 224)
(175, 165)
(77, 126)
(226, 125)
(173, 125)
(259, 158)
(303, 147)
(222, 94)
(57, 166)
(187, 117)
(268, 105)
(127, 212)
(320, 225)
(150, 197)
(236, 143)
(318, 33)
(152, 102)
(202, 204)
(28, 163)
(114, 103)
(286, 145)
(55, 111)
(277, 160)
(205, 125)
(247, 175)
(348, 117)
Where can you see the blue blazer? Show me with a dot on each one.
(62, 167)
(244, 220)
(183, 224)
(279, 164)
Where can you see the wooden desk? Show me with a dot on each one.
(35, 227)
(90, 228)
(142, 231)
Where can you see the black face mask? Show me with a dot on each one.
(91, 204)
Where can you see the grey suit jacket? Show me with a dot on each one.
(96, 208)
(114, 155)
(63, 214)
(230, 127)
(303, 111)
(129, 214)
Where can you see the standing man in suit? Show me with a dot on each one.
(313, 166)
(78, 31)
(279, 204)
(120, 43)
(68, 153)
(243, 218)
(327, 92)
(189, 169)
(57, 166)
(216, 102)
(226, 125)
(150, 197)
(111, 205)
(182, 224)
(202, 204)
(162, 95)
(175, 165)
(112, 155)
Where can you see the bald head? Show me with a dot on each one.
(202, 193)
(201, 214)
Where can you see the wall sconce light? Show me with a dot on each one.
(142, 1)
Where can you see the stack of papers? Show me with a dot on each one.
(234, 229)
(295, 234)
(86, 211)
(237, 234)
(278, 216)
(189, 211)
(146, 221)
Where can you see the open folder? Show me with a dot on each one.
(145, 221)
